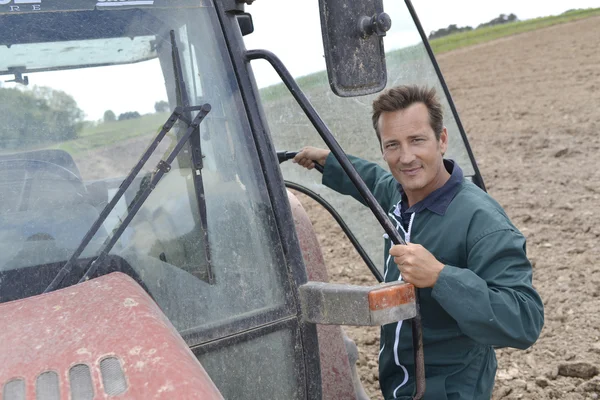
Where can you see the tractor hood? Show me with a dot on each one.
(102, 338)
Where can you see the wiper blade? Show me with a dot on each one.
(183, 100)
(162, 167)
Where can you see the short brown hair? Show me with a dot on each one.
(401, 97)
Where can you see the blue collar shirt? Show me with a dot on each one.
(437, 201)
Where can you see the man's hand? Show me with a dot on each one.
(309, 155)
(417, 265)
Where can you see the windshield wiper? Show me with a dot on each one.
(182, 112)
(162, 168)
(196, 156)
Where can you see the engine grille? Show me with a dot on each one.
(113, 378)
(47, 384)
(14, 390)
(80, 378)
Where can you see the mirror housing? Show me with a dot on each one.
(342, 304)
(353, 34)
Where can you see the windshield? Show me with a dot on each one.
(82, 95)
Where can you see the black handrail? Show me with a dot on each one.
(338, 218)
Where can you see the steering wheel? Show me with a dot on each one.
(35, 167)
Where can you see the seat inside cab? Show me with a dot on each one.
(45, 209)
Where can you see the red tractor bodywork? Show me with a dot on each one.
(110, 317)
(336, 372)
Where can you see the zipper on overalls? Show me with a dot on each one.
(406, 235)
(399, 224)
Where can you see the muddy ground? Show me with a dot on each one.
(531, 107)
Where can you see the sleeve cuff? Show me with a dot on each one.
(331, 172)
(454, 282)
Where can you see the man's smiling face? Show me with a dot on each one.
(412, 151)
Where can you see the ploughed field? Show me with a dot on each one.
(530, 105)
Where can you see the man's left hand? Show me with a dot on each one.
(417, 265)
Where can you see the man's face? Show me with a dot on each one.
(414, 155)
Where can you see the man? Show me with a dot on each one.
(462, 251)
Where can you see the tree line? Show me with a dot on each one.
(501, 19)
(39, 114)
(110, 116)
(44, 115)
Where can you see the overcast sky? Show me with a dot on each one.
(291, 29)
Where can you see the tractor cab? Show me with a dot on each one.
(148, 244)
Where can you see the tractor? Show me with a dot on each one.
(163, 255)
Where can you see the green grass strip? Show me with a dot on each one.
(108, 133)
(487, 34)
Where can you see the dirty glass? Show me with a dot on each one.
(261, 367)
(77, 110)
(349, 119)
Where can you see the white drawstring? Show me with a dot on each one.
(407, 234)
(410, 223)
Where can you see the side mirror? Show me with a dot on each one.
(340, 304)
(353, 34)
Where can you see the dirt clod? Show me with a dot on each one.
(502, 392)
(542, 382)
(591, 386)
(578, 370)
(519, 384)
(561, 152)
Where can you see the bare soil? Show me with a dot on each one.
(530, 105)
